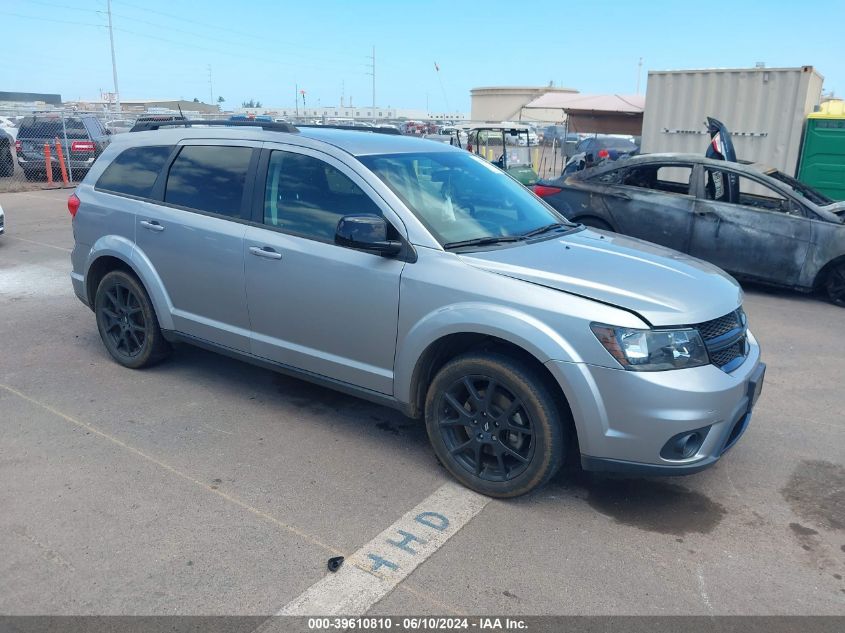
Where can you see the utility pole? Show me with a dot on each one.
(113, 63)
(372, 73)
(296, 98)
(210, 87)
(639, 74)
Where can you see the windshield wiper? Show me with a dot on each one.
(544, 229)
(482, 241)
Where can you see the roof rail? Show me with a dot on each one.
(143, 126)
(355, 128)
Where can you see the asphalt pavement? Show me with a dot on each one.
(208, 486)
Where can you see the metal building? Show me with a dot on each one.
(764, 109)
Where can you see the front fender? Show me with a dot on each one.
(126, 251)
(516, 327)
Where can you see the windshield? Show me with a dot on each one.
(619, 144)
(801, 189)
(460, 197)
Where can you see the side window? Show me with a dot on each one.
(663, 178)
(134, 171)
(747, 192)
(209, 178)
(307, 196)
(613, 177)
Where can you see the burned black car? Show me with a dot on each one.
(755, 222)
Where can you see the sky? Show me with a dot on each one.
(264, 50)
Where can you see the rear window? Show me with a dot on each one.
(209, 178)
(42, 127)
(135, 170)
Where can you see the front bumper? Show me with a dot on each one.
(624, 419)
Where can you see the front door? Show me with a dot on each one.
(316, 306)
(764, 235)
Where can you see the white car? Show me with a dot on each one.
(9, 126)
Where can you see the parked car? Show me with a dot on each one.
(83, 139)
(593, 150)
(419, 276)
(2, 221)
(7, 157)
(9, 126)
(765, 226)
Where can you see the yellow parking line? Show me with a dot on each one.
(231, 499)
(58, 248)
(175, 471)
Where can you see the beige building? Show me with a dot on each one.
(505, 103)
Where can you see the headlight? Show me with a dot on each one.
(652, 350)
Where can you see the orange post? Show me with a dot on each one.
(61, 157)
(48, 164)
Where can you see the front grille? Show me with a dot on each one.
(725, 339)
(722, 357)
(720, 326)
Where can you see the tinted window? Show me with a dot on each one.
(41, 127)
(135, 170)
(306, 196)
(209, 178)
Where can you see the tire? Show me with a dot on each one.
(34, 175)
(595, 223)
(7, 167)
(504, 445)
(835, 284)
(127, 321)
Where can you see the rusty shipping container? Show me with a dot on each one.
(764, 108)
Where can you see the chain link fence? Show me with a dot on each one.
(44, 149)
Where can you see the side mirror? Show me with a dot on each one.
(366, 232)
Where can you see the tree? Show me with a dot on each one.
(220, 99)
(249, 104)
(196, 100)
(257, 104)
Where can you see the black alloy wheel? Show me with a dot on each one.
(123, 319)
(495, 424)
(486, 428)
(127, 321)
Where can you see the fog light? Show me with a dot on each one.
(684, 445)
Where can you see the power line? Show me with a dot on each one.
(43, 19)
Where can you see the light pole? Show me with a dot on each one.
(113, 62)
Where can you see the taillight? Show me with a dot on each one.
(73, 204)
(603, 153)
(82, 146)
(544, 191)
(18, 147)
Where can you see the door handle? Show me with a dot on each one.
(152, 225)
(265, 252)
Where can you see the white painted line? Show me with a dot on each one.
(379, 566)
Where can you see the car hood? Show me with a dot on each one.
(663, 286)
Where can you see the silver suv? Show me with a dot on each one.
(419, 276)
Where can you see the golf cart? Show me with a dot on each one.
(506, 145)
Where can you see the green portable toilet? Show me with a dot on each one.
(822, 163)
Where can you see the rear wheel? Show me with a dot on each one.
(127, 321)
(31, 174)
(835, 284)
(494, 424)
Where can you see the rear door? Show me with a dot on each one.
(652, 202)
(194, 238)
(765, 235)
(317, 306)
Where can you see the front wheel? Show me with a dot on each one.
(494, 424)
(127, 321)
(835, 285)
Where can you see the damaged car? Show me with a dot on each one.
(753, 221)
